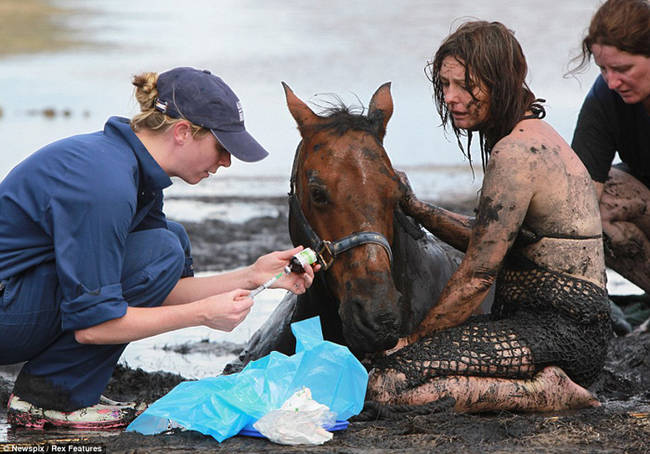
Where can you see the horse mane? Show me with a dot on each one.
(341, 118)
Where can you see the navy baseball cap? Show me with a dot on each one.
(205, 100)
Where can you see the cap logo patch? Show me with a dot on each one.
(241, 111)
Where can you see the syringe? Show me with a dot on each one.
(305, 257)
(268, 283)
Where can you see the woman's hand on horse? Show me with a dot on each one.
(401, 343)
(408, 196)
(273, 263)
(226, 310)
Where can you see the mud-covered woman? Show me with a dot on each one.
(615, 118)
(536, 237)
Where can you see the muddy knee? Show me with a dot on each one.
(625, 198)
(385, 384)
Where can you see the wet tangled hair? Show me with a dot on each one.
(624, 24)
(493, 59)
(149, 118)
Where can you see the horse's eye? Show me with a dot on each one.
(318, 195)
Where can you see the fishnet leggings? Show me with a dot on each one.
(479, 347)
(539, 318)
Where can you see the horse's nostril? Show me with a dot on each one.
(368, 329)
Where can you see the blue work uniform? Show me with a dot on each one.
(607, 125)
(82, 237)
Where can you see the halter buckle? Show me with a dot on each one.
(325, 255)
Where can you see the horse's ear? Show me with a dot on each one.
(381, 108)
(300, 111)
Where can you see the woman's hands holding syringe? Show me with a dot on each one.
(273, 264)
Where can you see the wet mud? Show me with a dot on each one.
(620, 425)
(219, 246)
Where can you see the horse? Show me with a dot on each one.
(380, 271)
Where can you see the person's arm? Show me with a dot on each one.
(89, 215)
(505, 197)
(223, 312)
(191, 289)
(217, 302)
(594, 135)
(452, 228)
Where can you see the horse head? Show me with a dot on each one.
(343, 196)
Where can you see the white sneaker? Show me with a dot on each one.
(106, 401)
(106, 414)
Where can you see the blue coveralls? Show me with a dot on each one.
(82, 236)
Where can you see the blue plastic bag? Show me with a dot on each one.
(222, 406)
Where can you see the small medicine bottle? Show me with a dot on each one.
(301, 259)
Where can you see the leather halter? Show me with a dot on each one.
(327, 251)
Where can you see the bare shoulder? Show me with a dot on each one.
(561, 198)
(535, 144)
(518, 152)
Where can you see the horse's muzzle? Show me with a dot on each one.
(371, 322)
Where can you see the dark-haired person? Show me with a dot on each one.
(537, 235)
(89, 262)
(615, 118)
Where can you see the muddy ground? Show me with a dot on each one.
(620, 425)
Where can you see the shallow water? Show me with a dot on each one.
(347, 48)
(149, 354)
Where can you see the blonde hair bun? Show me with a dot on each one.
(146, 91)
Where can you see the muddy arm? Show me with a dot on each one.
(504, 202)
(452, 228)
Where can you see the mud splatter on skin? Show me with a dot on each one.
(452, 228)
(485, 278)
(489, 212)
(542, 147)
(626, 224)
(576, 257)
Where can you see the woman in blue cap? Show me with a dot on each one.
(89, 262)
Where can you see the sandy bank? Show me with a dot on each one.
(29, 26)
